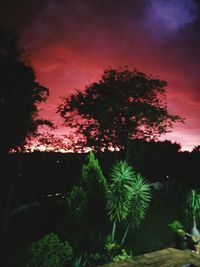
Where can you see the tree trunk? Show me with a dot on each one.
(194, 222)
(125, 233)
(113, 230)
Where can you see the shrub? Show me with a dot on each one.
(122, 256)
(175, 226)
(50, 251)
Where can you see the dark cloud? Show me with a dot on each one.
(18, 14)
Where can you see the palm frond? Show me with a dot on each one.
(120, 191)
(141, 197)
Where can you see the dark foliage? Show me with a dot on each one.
(123, 105)
(19, 94)
(157, 161)
(39, 210)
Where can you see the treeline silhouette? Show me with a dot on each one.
(48, 173)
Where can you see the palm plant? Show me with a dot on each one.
(193, 208)
(139, 203)
(128, 197)
(119, 193)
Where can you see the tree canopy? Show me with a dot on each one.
(19, 94)
(124, 104)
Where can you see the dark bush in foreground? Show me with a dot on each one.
(50, 251)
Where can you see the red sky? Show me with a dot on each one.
(69, 43)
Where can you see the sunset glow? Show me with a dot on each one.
(69, 43)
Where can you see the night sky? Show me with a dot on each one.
(69, 43)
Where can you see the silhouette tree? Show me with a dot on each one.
(155, 160)
(49, 142)
(196, 149)
(123, 105)
(20, 95)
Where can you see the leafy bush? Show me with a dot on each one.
(76, 203)
(123, 256)
(92, 174)
(50, 251)
(175, 226)
(94, 185)
(113, 252)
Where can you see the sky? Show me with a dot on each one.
(70, 42)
